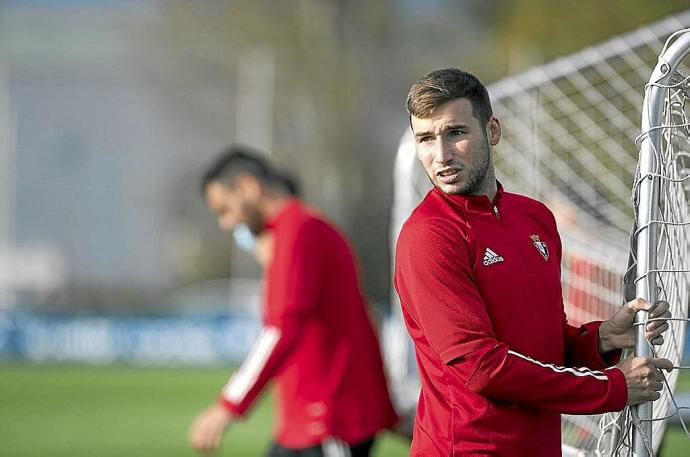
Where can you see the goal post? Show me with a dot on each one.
(661, 206)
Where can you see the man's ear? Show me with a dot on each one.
(493, 130)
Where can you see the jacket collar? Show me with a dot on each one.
(290, 205)
(480, 203)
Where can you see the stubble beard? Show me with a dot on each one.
(474, 184)
(254, 219)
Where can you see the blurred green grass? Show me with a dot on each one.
(67, 411)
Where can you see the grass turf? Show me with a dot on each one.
(119, 411)
(72, 411)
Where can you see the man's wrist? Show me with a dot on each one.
(604, 344)
(228, 406)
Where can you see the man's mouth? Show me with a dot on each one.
(448, 175)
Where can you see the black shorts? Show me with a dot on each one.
(330, 448)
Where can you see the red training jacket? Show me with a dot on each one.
(480, 290)
(317, 341)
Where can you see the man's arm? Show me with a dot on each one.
(598, 345)
(510, 376)
(582, 348)
(267, 355)
(298, 263)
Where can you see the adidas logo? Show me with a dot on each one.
(490, 257)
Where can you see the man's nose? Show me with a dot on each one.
(442, 154)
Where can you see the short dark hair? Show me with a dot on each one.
(289, 183)
(241, 160)
(441, 86)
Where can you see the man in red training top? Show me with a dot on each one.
(317, 342)
(478, 274)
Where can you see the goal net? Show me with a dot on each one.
(660, 241)
(569, 140)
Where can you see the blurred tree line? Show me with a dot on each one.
(339, 74)
(343, 68)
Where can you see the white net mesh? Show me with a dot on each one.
(667, 140)
(568, 140)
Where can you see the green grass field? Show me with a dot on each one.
(70, 411)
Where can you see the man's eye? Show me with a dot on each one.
(455, 132)
(425, 139)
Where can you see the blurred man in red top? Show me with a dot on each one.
(478, 274)
(317, 341)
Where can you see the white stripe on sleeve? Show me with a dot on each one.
(576, 371)
(242, 381)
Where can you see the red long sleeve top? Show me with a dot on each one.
(480, 290)
(317, 341)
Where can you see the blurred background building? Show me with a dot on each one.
(109, 111)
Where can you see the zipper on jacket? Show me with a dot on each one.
(496, 213)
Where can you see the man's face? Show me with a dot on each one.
(454, 148)
(232, 206)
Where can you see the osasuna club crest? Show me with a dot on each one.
(541, 246)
